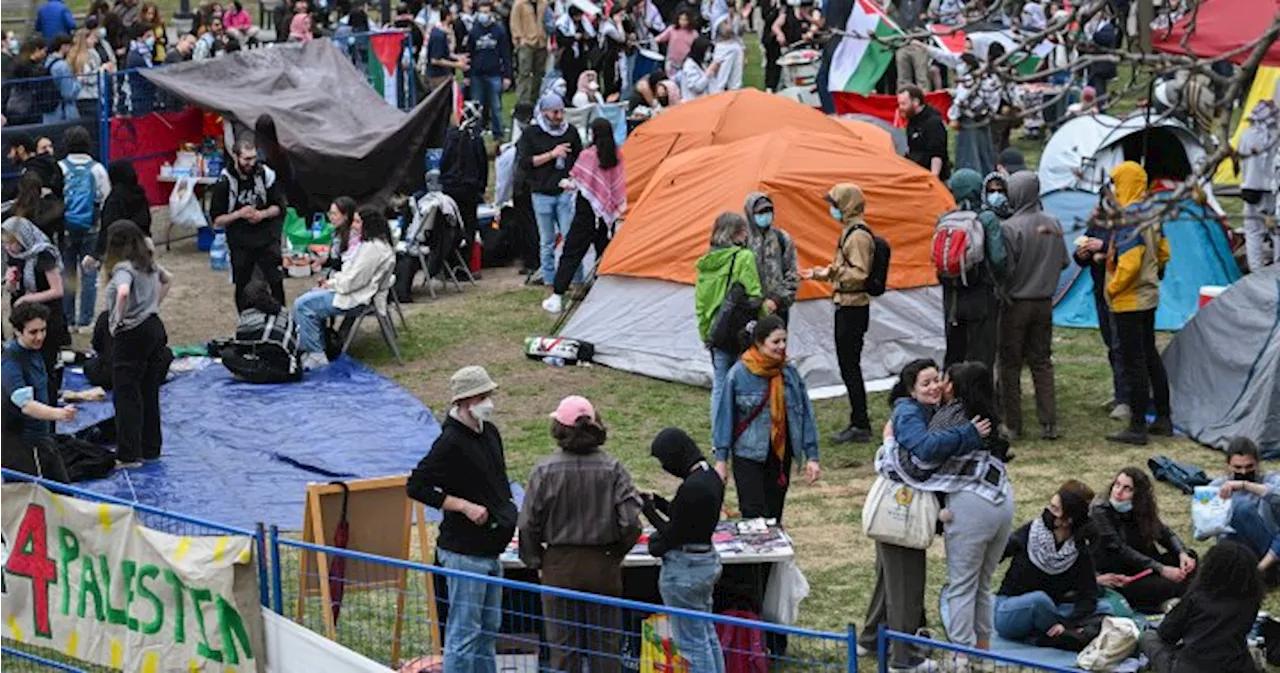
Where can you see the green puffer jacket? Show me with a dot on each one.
(713, 281)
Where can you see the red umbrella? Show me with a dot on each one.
(338, 564)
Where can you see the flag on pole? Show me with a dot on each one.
(384, 68)
(858, 62)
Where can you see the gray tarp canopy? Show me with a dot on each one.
(1224, 366)
(341, 136)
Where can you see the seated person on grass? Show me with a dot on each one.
(1255, 502)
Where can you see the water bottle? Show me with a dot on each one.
(219, 257)
(317, 229)
(554, 361)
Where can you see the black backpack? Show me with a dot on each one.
(728, 327)
(878, 275)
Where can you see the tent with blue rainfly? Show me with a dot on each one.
(1077, 162)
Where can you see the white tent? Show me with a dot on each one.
(1081, 154)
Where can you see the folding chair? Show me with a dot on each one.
(427, 215)
(379, 309)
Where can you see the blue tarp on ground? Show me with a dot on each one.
(1199, 255)
(240, 453)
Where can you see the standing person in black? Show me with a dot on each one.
(464, 171)
(248, 202)
(769, 12)
(926, 134)
(465, 476)
(1207, 630)
(690, 564)
(127, 201)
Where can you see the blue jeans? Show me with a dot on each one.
(310, 310)
(475, 614)
(554, 213)
(1030, 615)
(1251, 529)
(487, 91)
(687, 581)
(721, 363)
(75, 247)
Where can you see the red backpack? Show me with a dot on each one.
(744, 650)
(958, 245)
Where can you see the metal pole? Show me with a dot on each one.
(851, 648)
(277, 586)
(260, 544)
(104, 116)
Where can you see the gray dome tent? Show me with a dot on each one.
(1224, 366)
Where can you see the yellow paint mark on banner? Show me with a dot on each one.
(220, 547)
(184, 546)
(104, 516)
(14, 629)
(73, 643)
(117, 654)
(192, 666)
(244, 557)
(151, 663)
(57, 503)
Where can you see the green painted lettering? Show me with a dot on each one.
(199, 596)
(89, 583)
(231, 626)
(114, 615)
(69, 546)
(179, 610)
(128, 568)
(153, 627)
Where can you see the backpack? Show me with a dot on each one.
(79, 192)
(737, 310)
(959, 245)
(878, 275)
(744, 650)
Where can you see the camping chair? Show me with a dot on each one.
(429, 212)
(379, 309)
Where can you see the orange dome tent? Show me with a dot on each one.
(717, 120)
(639, 315)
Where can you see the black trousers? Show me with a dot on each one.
(1107, 327)
(772, 71)
(586, 230)
(851, 330)
(1144, 373)
(972, 323)
(1147, 594)
(467, 204)
(264, 259)
(139, 362)
(37, 457)
(761, 494)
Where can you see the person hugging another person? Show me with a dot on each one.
(349, 290)
(140, 352)
(1129, 529)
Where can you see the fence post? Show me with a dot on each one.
(851, 646)
(277, 586)
(104, 115)
(260, 541)
(882, 649)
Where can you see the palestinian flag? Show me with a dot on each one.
(384, 67)
(859, 62)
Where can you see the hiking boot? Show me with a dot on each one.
(1049, 431)
(1120, 412)
(1162, 427)
(852, 435)
(1129, 436)
(553, 304)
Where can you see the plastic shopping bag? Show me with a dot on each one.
(787, 587)
(184, 206)
(1210, 515)
(658, 652)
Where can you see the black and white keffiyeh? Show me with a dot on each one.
(1044, 551)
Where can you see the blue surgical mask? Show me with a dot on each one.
(485, 18)
(836, 214)
(102, 33)
(764, 220)
(1122, 506)
(14, 45)
(997, 199)
(150, 42)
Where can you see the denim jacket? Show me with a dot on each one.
(743, 392)
(911, 431)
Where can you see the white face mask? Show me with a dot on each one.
(482, 410)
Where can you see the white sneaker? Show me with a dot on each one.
(922, 666)
(314, 361)
(1120, 413)
(863, 652)
(553, 304)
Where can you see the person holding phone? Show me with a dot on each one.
(1136, 553)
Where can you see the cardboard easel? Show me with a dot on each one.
(381, 518)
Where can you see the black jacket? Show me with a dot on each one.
(1119, 547)
(1212, 632)
(692, 517)
(545, 179)
(926, 139)
(468, 465)
(1077, 585)
(125, 203)
(464, 168)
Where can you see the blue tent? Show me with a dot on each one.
(1199, 256)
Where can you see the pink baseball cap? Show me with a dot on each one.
(572, 408)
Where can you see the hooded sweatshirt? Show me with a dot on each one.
(775, 254)
(691, 517)
(848, 272)
(1258, 149)
(714, 280)
(969, 191)
(1136, 254)
(1033, 241)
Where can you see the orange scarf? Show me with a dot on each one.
(766, 367)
